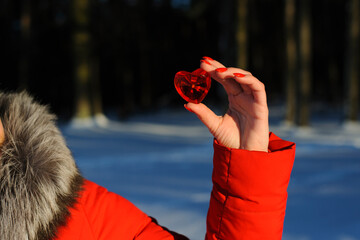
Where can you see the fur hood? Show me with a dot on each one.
(39, 180)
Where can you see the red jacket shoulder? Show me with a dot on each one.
(101, 215)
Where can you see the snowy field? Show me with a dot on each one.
(162, 162)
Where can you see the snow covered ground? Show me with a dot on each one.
(162, 162)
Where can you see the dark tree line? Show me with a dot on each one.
(85, 57)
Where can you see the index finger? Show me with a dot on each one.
(229, 84)
(247, 81)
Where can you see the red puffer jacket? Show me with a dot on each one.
(248, 201)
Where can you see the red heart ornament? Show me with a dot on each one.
(193, 86)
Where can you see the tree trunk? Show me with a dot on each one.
(352, 73)
(83, 75)
(291, 60)
(305, 61)
(242, 33)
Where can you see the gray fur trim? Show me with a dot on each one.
(39, 180)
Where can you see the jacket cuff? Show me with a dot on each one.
(260, 179)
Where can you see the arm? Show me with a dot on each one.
(251, 173)
(249, 194)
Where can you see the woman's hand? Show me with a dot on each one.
(246, 124)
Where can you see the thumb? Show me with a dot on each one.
(206, 116)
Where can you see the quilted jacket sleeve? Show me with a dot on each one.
(249, 193)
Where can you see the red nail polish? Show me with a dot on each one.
(239, 75)
(204, 61)
(208, 58)
(187, 108)
(221, 70)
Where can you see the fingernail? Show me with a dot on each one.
(239, 75)
(204, 61)
(188, 108)
(208, 58)
(221, 70)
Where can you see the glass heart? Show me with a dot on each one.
(193, 86)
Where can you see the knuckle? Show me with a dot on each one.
(261, 85)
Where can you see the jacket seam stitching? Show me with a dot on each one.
(226, 195)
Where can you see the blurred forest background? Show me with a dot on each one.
(88, 57)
